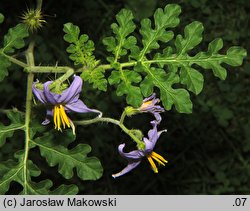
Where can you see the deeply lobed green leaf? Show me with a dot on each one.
(81, 52)
(169, 96)
(176, 64)
(119, 44)
(95, 76)
(163, 19)
(88, 168)
(80, 48)
(4, 64)
(43, 188)
(14, 39)
(17, 123)
(125, 80)
(12, 171)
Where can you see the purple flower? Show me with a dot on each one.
(61, 104)
(135, 157)
(149, 105)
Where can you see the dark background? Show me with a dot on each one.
(208, 151)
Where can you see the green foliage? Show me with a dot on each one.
(4, 64)
(169, 96)
(156, 60)
(14, 39)
(1, 18)
(81, 52)
(17, 123)
(119, 44)
(125, 79)
(213, 60)
(21, 170)
(13, 171)
(95, 76)
(88, 168)
(80, 48)
(22, 173)
(163, 20)
(175, 66)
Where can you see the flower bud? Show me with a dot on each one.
(33, 19)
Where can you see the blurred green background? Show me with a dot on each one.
(208, 151)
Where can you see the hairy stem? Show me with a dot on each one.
(39, 4)
(124, 114)
(30, 61)
(113, 121)
(63, 69)
(15, 61)
(49, 69)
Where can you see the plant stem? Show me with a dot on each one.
(124, 114)
(30, 61)
(49, 69)
(113, 121)
(15, 61)
(96, 120)
(63, 69)
(39, 4)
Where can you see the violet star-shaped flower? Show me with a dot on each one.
(135, 157)
(149, 105)
(61, 104)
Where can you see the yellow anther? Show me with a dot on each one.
(159, 157)
(156, 157)
(152, 164)
(64, 116)
(60, 117)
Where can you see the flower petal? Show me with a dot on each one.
(127, 169)
(51, 97)
(152, 138)
(69, 95)
(150, 97)
(46, 121)
(79, 107)
(49, 114)
(133, 155)
(72, 93)
(38, 93)
(157, 117)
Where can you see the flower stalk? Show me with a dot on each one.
(124, 114)
(140, 144)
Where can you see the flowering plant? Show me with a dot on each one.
(138, 66)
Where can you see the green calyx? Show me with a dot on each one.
(130, 111)
(141, 145)
(137, 133)
(39, 86)
(59, 88)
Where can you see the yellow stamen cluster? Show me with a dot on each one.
(60, 117)
(156, 157)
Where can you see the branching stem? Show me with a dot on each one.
(30, 61)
